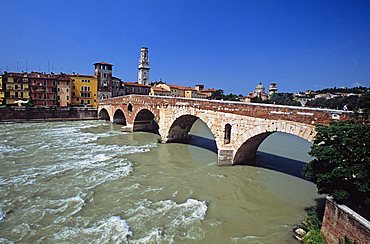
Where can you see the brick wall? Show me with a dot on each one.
(340, 221)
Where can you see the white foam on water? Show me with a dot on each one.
(5, 241)
(167, 220)
(218, 176)
(2, 215)
(244, 238)
(7, 149)
(22, 230)
(112, 229)
(64, 208)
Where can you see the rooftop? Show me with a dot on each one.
(134, 84)
(105, 63)
(159, 89)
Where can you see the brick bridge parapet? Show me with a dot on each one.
(238, 128)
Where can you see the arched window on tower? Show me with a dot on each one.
(227, 138)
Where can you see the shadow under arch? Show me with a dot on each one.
(145, 121)
(103, 114)
(182, 131)
(119, 117)
(279, 153)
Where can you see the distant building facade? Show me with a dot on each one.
(143, 73)
(2, 91)
(84, 90)
(16, 88)
(135, 88)
(103, 73)
(159, 91)
(183, 91)
(206, 93)
(49, 89)
(117, 87)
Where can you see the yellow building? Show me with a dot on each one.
(181, 91)
(2, 91)
(159, 91)
(84, 90)
(17, 88)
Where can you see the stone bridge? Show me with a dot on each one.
(238, 128)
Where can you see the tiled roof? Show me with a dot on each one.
(181, 87)
(105, 63)
(160, 89)
(134, 84)
(208, 90)
(81, 75)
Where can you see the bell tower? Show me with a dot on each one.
(143, 74)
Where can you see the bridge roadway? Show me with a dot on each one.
(238, 128)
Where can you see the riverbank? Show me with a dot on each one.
(46, 114)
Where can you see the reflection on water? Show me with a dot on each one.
(89, 182)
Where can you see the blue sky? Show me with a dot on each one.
(227, 44)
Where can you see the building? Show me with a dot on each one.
(259, 93)
(49, 89)
(184, 91)
(117, 87)
(84, 90)
(143, 73)
(2, 91)
(159, 91)
(206, 93)
(273, 88)
(64, 90)
(176, 91)
(16, 88)
(103, 73)
(135, 88)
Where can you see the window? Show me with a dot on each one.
(227, 138)
(88, 101)
(67, 90)
(73, 94)
(129, 107)
(82, 101)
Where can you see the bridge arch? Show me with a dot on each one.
(103, 114)
(146, 121)
(247, 150)
(119, 117)
(180, 131)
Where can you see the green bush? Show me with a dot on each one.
(314, 237)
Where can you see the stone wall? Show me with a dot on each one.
(340, 221)
(46, 114)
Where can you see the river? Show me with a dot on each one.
(87, 181)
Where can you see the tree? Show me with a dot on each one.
(341, 167)
(218, 94)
